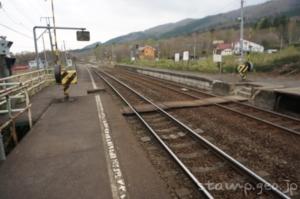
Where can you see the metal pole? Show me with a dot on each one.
(47, 19)
(55, 36)
(48, 27)
(50, 35)
(45, 53)
(65, 50)
(242, 31)
(50, 39)
(59, 27)
(36, 48)
(2, 149)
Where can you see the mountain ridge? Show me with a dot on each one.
(221, 20)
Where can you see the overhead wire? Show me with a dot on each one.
(16, 31)
(27, 17)
(13, 20)
(36, 8)
(45, 11)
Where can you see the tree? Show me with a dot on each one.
(280, 23)
(266, 23)
(292, 26)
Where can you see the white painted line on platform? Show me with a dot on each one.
(117, 182)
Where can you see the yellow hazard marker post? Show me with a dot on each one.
(66, 77)
(243, 69)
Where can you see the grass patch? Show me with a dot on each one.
(262, 62)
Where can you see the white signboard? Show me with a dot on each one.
(132, 58)
(217, 58)
(186, 56)
(215, 42)
(33, 64)
(69, 62)
(177, 57)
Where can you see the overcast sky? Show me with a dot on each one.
(105, 19)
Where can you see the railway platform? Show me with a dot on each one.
(128, 135)
(81, 148)
(280, 93)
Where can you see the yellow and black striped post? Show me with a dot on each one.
(242, 70)
(68, 77)
(65, 78)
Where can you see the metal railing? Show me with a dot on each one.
(15, 90)
(32, 80)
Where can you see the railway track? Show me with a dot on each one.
(202, 161)
(280, 121)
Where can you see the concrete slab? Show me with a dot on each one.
(290, 91)
(63, 156)
(262, 89)
(183, 104)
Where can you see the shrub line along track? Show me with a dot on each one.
(193, 135)
(227, 107)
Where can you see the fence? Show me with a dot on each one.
(14, 90)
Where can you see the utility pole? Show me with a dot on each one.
(194, 46)
(49, 32)
(242, 31)
(54, 25)
(158, 52)
(55, 36)
(2, 74)
(45, 53)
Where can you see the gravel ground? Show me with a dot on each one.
(238, 136)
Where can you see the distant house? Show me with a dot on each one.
(146, 52)
(248, 46)
(224, 49)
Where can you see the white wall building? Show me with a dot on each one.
(248, 46)
(33, 64)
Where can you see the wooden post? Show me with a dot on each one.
(29, 108)
(14, 132)
(220, 67)
(2, 149)
(3, 69)
(8, 106)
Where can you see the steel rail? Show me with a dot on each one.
(236, 111)
(215, 149)
(173, 155)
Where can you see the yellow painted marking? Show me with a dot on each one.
(68, 76)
